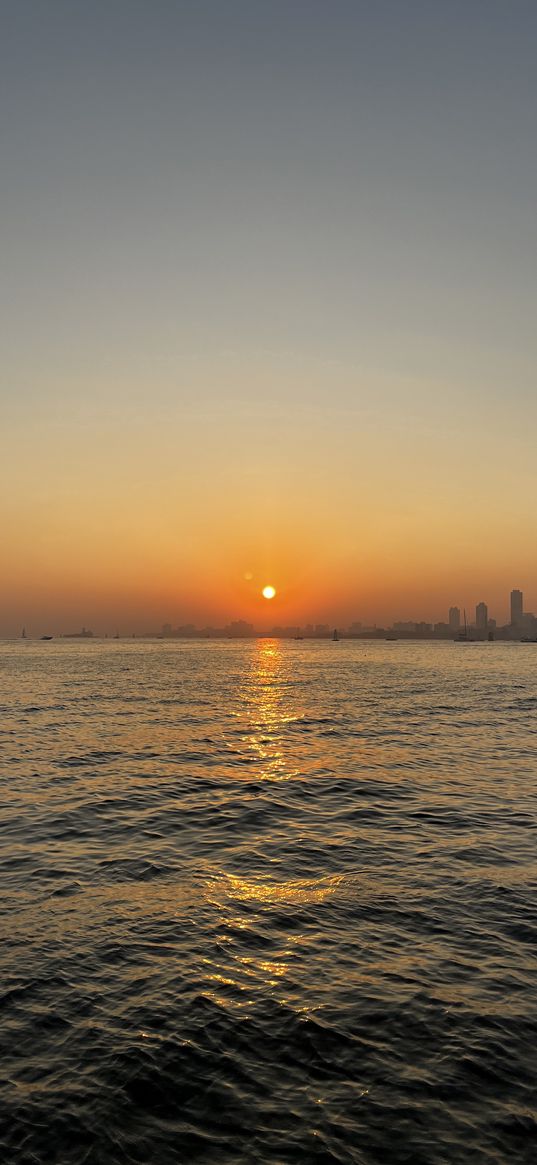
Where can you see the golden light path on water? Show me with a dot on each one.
(269, 711)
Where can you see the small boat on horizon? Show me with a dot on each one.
(47, 637)
(463, 636)
(335, 637)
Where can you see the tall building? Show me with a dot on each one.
(517, 606)
(454, 619)
(481, 617)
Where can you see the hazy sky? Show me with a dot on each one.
(269, 276)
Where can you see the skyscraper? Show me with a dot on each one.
(516, 608)
(454, 619)
(481, 617)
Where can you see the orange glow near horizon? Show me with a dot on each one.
(363, 540)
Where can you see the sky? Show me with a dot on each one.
(268, 310)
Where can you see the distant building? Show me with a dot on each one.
(169, 632)
(239, 629)
(528, 624)
(481, 616)
(517, 608)
(454, 619)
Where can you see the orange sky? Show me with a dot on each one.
(132, 524)
(269, 308)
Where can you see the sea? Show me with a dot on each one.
(268, 902)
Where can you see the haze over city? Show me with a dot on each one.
(286, 340)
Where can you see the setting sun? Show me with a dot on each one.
(268, 592)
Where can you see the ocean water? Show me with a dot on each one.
(268, 902)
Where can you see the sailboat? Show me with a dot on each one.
(24, 635)
(463, 636)
(335, 637)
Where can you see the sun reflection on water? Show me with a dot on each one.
(238, 975)
(303, 890)
(266, 706)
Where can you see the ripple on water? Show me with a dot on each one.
(268, 902)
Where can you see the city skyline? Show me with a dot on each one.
(481, 624)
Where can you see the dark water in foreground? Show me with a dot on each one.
(268, 902)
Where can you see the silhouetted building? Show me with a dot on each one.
(239, 629)
(528, 623)
(517, 608)
(454, 619)
(481, 616)
(183, 632)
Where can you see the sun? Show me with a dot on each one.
(268, 592)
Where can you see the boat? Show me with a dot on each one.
(24, 635)
(463, 636)
(335, 637)
(47, 637)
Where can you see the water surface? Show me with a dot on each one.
(268, 902)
